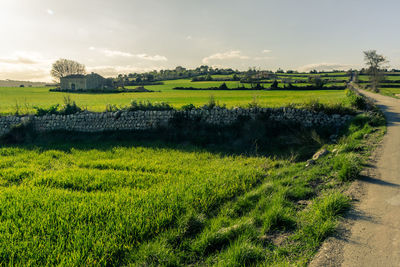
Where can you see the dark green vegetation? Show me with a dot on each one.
(107, 200)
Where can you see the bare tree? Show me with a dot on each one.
(64, 67)
(375, 63)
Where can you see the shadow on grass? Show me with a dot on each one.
(246, 137)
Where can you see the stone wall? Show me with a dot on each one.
(146, 120)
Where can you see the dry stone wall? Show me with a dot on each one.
(147, 120)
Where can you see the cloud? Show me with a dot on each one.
(189, 37)
(266, 51)
(25, 65)
(18, 60)
(50, 12)
(116, 53)
(263, 58)
(112, 71)
(24, 72)
(325, 67)
(234, 54)
(23, 57)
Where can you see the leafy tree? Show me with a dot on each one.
(316, 81)
(64, 67)
(375, 64)
(223, 86)
(274, 85)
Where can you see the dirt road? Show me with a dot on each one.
(374, 236)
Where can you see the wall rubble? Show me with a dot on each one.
(146, 120)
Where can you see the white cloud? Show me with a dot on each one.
(152, 58)
(263, 58)
(112, 71)
(50, 12)
(266, 51)
(325, 67)
(17, 60)
(116, 53)
(189, 37)
(25, 65)
(234, 54)
(23, 57)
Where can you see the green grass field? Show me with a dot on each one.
(89, 205)
(116, 200)
(394, 92)
(26, 98)
(95, 202)
(389, 80)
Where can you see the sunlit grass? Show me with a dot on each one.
(24, 99)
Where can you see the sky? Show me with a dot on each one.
(124, 36)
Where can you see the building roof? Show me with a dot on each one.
(82, 75)
(75, 76)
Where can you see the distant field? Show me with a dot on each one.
(27, 98)
(390, 81)
(314, 74)
(392, 78)
(390, 91)
(386, 77)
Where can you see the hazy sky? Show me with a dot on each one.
(122, 36)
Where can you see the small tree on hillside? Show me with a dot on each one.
(375, 63)
(64, 67)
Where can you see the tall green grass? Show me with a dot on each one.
(146, 204)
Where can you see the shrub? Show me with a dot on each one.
(69, 107)
(339, 108)
(211, 102)
(149, 106)
(188, 107)
(223, 86)
(356, 100)
(274, 85)
(49, 111)
(111, 108)
(254, 103)
(314, 105)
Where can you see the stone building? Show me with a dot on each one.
(84, 82)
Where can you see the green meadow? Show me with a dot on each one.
(24, 99)
(104, 201)
(124, 199)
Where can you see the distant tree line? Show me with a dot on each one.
(177, 73)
